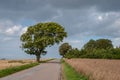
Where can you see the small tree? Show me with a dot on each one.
(39, 36)
(64, 48)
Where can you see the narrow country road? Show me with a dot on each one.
(44, 71)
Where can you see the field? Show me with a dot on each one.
(11, 63)
(97, 69)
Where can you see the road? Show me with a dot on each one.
(45, 71)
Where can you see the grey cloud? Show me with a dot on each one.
(76, 15)
(22, 9)
(109, 5)
(102, 5)
(33, 4)
(21, 5)
(36, 9)
(86, 22)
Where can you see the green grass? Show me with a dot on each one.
(71, 74)
(12, 70)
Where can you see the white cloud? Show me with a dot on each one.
(23, 30)
(4, 24)
(12, 30)
(100, 18)
(116, 42)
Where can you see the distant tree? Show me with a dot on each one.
(90, 45)
(104, 44)
(64, 48)
(72, 53)
(98, 44)
(39, 36)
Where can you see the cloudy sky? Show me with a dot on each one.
(82, 19)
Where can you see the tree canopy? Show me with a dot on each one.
(64, 48)
(90, 45)
(104, 44)
(98, 44)
(39, 36)
(97, 49)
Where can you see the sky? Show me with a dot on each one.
(82, 19)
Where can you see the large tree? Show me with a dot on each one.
(39, 36)
(64, 48)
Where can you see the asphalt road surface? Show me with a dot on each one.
(45, 71)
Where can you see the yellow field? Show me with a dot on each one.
(97, 69)
(11, 63)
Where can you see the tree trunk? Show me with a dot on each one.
(38, 58)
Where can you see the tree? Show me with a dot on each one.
(98, 44)
(72, 53)
(104, 44)
(39, 36)
(90, 45)
(64, 48)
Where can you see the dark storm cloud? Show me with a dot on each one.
(103, 5)
(26, 9)
(43, 9)
(21, 5)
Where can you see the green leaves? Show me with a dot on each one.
(98, 44)
(64, 48)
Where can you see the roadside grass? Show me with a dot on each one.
(11, 70)
(70, 74)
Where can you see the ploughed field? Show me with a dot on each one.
(11, 63)
(97, 69)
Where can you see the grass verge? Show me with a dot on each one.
(70, 74)
(12, 70)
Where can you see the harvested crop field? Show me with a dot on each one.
(97, 69)
(11, 63)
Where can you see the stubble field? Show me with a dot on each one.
(11, 63)
(97, 69)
